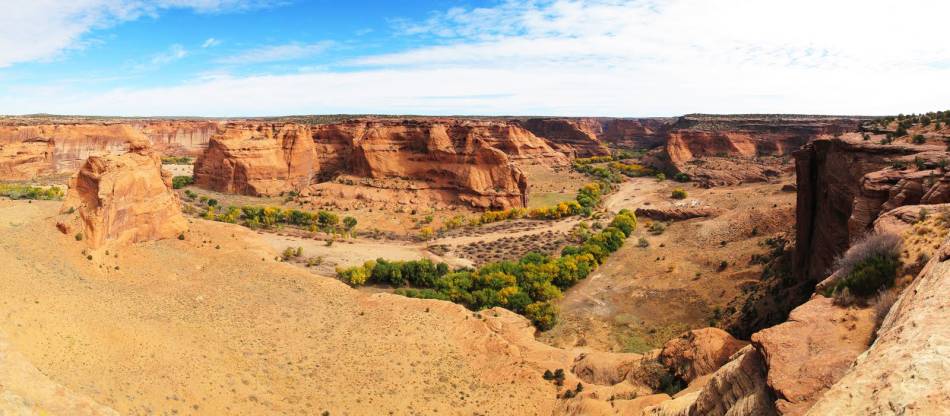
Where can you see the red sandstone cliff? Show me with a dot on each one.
(727, 150)
(574, 137)
(474, 159)
(263, 159)
(74, 142)
(27, 159)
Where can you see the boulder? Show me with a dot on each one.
(699, 352)
(812, 350)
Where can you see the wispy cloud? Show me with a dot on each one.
(210, 43)
(277, 53)
(42, 30)
(174, 53)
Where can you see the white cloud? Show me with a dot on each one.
(277, 53)
(174, 53)
(39, 30)
(210, 43)
(594, 57)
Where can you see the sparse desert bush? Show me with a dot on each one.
(661, 177)
(681, 177)
(175, 160)
(28, 192)
(678, 193)
(869, 265)
(78, 237)
(643, 243)
(919, 139)
(657, 228)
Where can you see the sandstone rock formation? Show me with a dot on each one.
(73, 142)
(575, 137)
(257, 160)
(905, 370)
(845, 183)
(475, 160)
(26, 159)
(727, 150)
(124, 199)
(812, 350)
(699, 352)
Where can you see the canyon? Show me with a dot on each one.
(176, 294)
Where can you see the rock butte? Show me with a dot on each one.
(123, 199)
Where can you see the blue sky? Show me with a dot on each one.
(527, 57)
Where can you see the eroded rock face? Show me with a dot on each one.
(737, 388)
(728, 150)
(846, 183)
(699, 352)
(812, 350)
(575, 137)
(72, 143)
(906, 369)
(124, 199)
(475, 160)
(264, 159)
(26, 159)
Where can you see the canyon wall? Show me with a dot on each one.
(728, 150)
(836, 201)
(22, 155)
(574, 137)
(477, 160)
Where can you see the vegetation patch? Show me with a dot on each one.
(13, 191)
(867, 267)
(176, 160)
(529, 286)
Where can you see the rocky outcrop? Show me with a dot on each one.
(812, 350)
(575, 137)
(699, 352)
(121, 199)
(845, 183)
(737, 388)
(26, 159)
(675, 213)
(264, 159)
(905, 370)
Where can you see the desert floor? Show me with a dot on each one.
(214, 325)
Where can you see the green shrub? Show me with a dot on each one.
(681, 177)
(179, 182)
(919, 139)
(679, 193)
(869, 265)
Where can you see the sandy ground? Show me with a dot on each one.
(643, 296)
(213, 325)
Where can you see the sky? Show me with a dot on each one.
(620, 58)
